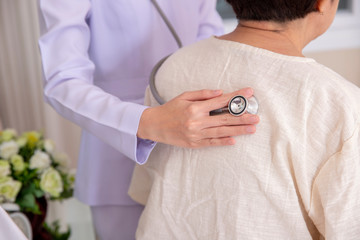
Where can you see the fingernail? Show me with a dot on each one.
(217, 92)
(231, 141)
(250, 129)
(250, 91)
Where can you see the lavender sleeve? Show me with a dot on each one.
(210, 20)
(68, 80)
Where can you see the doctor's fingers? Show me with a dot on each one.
(223, 100)
(212, 142)
(228, 131)
(200, 95)
(229, 120)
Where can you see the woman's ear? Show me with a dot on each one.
(322, 5)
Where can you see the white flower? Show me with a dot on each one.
(51, 182)
(63, 161)
(18, 163)
(9, 188)
(32, 138)
(7, 149)
(40, 160)
(49, 145)
(4, 168)
(8, 134)
(21, 141)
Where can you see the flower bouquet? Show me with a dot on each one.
(32, 172)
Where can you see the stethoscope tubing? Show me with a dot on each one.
(167, 22)
(153, 89)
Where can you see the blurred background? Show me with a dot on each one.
(22, 106)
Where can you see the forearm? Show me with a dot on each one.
(68, 80)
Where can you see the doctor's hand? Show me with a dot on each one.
(185, 121)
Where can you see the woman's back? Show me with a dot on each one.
(283, 182)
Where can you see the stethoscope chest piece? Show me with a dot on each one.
(238, 105)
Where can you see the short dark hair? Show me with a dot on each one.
(272, 10)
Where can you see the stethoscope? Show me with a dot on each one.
(237, 105)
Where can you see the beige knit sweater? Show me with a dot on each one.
(298, 177)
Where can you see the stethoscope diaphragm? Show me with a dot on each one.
(238, 105)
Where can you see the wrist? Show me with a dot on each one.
(144, 126)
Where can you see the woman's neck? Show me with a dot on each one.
(276, 37)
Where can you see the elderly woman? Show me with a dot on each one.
(298, 177)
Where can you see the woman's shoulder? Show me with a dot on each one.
(329, 83)
(188, 68)
(199, 48)
(335, 101)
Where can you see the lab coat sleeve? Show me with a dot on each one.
(68, 74)
(335, 201)
(210, 21)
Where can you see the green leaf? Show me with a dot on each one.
(27, 203)
(38, 193)
(28, 200)
(54, 230)
(28, 189)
